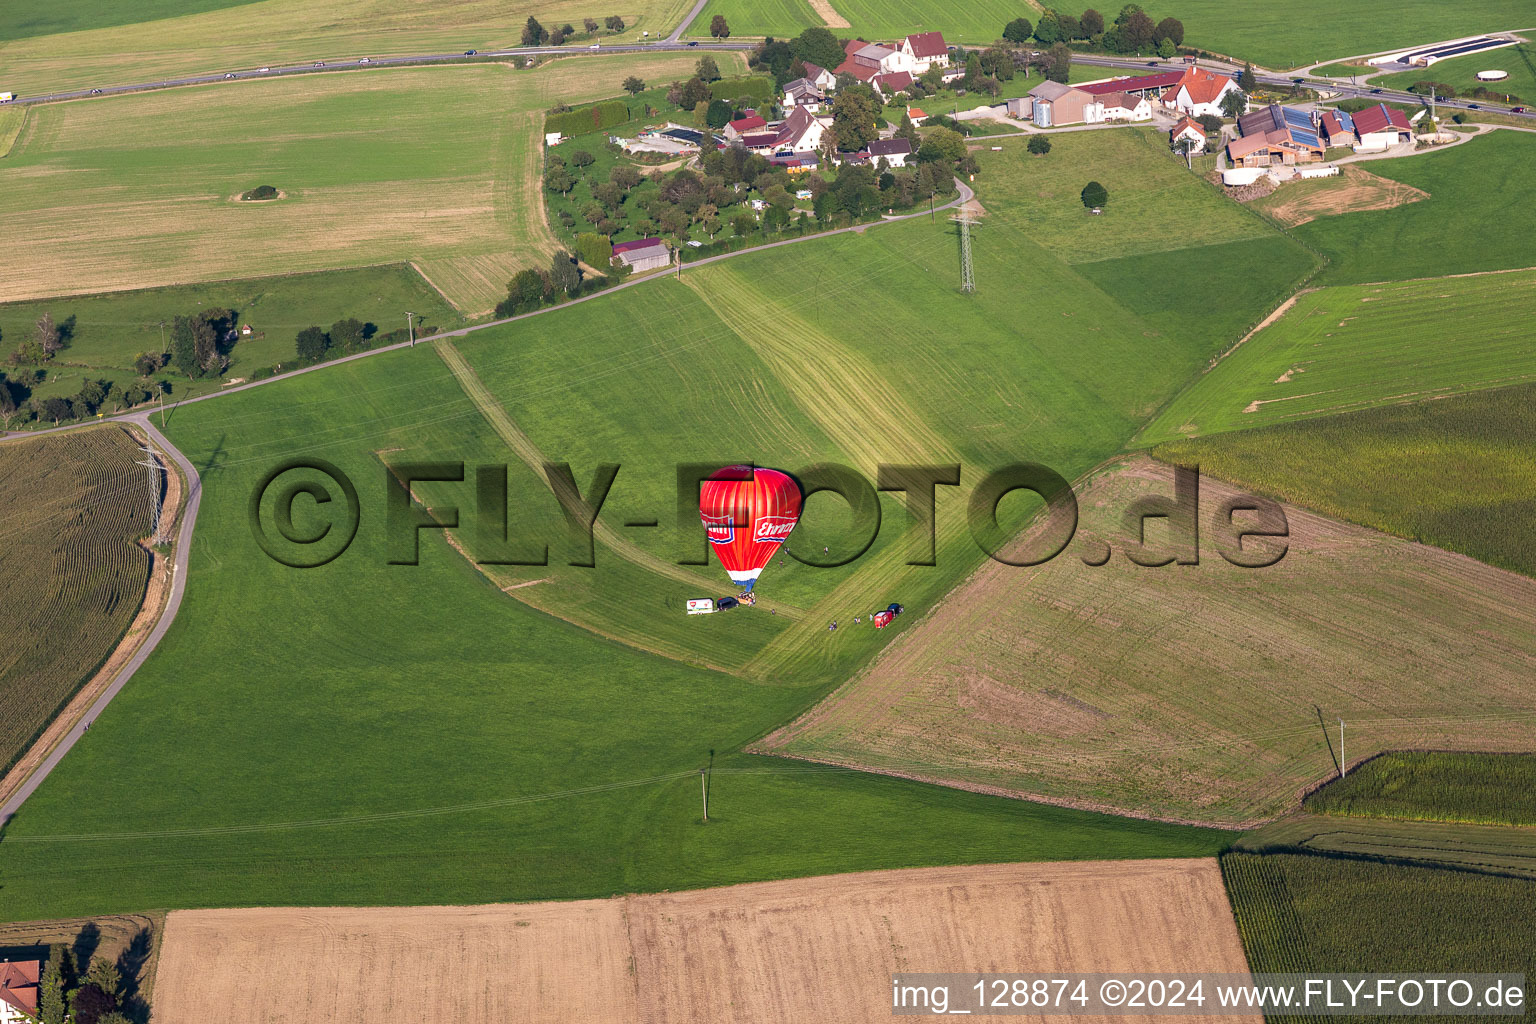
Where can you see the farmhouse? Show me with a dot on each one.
(1276, 148)
(895, 151)
(796, 163)
(18, 991)
(1122, 106)
(923, 51)
(802, 92)
(762, 143)
(1199, 92)
(1056, 104)
(643, 254)
(744, 126)
(1188, 129)
(866, 60)
(1381, 126)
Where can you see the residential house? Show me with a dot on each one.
(917, 115)
(1381, 126)
(1123, 106)
(896, 151)
(1199, 92)
(820, 77)
(1057, 104)
(801, 130)
(1273, 117)
(1188, 129)
(891, 83)
(1337, 128)
(744, 126)
(643, 255)
(18, 991)
(803, 93)
(952, 74)
(923, 50)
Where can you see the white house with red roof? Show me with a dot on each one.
(1123, 106)
(1188, 129)
(891, 83)
(1200, 92)
(18, 991)
(800, 131)
(923, 50)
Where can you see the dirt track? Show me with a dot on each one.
(816, 949)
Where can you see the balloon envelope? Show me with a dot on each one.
(748, 513)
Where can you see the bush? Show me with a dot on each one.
(1039, 145)
(1095, 196)
(594, 250)
(593, 118)
(259, 193)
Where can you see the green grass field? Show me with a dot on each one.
(1457, 473)
(451, 695)
(1435, 786)
(1290, 37)
(1343, 349)
(22, 22)
(978, 23)
(72, 573)
(121, 45)
(1461, 72)
(438, 166)
(110, 329)
(1299, 913)
(1464, 225)
(1345, 69)
(507, 751)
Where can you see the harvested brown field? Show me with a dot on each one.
(1354, 189)
(1201, 693)
(827, 13)
(815, 949)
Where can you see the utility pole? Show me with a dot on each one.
(410, 327)
(162, 336)
(152, 463)
(1343, 764)
(704, 790)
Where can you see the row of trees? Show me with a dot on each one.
(530, 289)
(535, 34)
(1132, 32)
(345, 337)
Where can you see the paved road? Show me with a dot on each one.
(183, 545)
(673, 43)
(179, 556)
(677, 33)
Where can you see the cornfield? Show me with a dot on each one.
(1495, 789)
(1308, 914)
(72, 574)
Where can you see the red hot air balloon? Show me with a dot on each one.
(748, 514)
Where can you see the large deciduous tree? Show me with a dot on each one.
(854, 114)
(719, 27)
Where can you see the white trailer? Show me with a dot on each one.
(6, 97)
